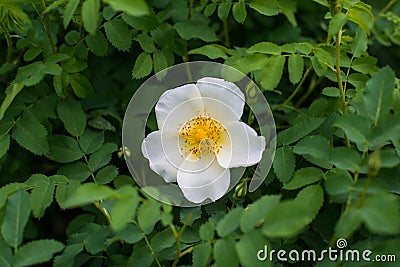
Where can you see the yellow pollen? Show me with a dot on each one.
(201, 135)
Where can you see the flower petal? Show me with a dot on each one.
(223, 100)
(178, 105)
(244, 148)
(197, 186)
(164, 156)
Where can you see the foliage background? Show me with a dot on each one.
(69, 68)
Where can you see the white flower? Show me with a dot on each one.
(200, 137)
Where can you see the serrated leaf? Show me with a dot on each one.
(90, 15)
(272, 72)
(239, 11)
(123, 211)
(95, 240)
(106, 175)
(201, 255)
(97, 43)
(64, 149)
(284, 162)
(132, 7)
(42, 194)
(32, 53)
(146, 42)
(143, 66)
(52, 68)
(331, 91)
(7, 190)
(360, 43)
(348, 223)
(73, 117)
(91, 140)
(64, 190)
(311, 197)
(286, 219)
(265, 48)
(299, 130)
(206, 231)
(246, 247)
(225, 253)
(118, 34)
(189, 215)
(211, 51)
(288, 8)
(304, 176)
(314, 145)
(268, 8)
(5, 255)
(364, 64)
(36, 252)
(256, 211)
(338, 182)
(81, 85)
(162, 240)
(295, 68)
(75, 171)
(148, 215)
(360, 13)
(378, 95)
(345, 158)
(31, 134)
(16, 216)
(88, 193)
(69, 11)
(4, 144)
(131, 234)
(101, 157)
(144, 23)
(223, 9)
(31, 74)
(160, 63)
(191, 29)
(336, 23)
(230, 222)
(66, 259)
(355, 127)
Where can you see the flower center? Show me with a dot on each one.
(201, 136)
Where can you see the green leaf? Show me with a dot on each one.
(311, 197)
(143, 66)
(284, 162)
(304, 176)
(4, 144)
(132, 7)
(380, 213)
(189, 215)
(255, 212)
(364, 64)
(16, 216)
(91, 140)
(106, 175)
(206, 231)
(131, 234)
(268, 8)
(67, 258)
(31, 134)
(64, 149)
(69, 11)
(338, 182)
(88, 193)
(346, 158)
(81, 85)
(331, 91)
(90, 15)
(195, 29)
(31, 74)
(5, 255)
(348, 223)
(123, 211)
(73, 117)
(225, 253)
(288, 8)
(97, 43)
(336, 23)
(160, 62)
(7, 190)
(378, 95)
(146, 43)
(75, 171)
(52, 68)
(286, 219)
(299, 130)
(97, 235)
(64, 190)
(201, 255)
(360, 43)
(102, 157)
(118, 34)
(265, 48)
(316, 146)
(36, 252)
(361, 14)
(272, 72)
(239, 11)
(230, 222)
(212, 51)
(32, 53)
(355, 127)
(42, 193)
(223, 9)
(162, 240)
(144, 23)
(248, 246)
(148, 215)
(295, 68)
(11, 92)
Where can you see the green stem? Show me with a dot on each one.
(297, 89)
(9, 42)
(384, 9)
(313, 84)
(45, 24)
(225, 29)
(151, 250)
(365, 191)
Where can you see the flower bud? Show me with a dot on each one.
(240, 190)
(374, 163)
